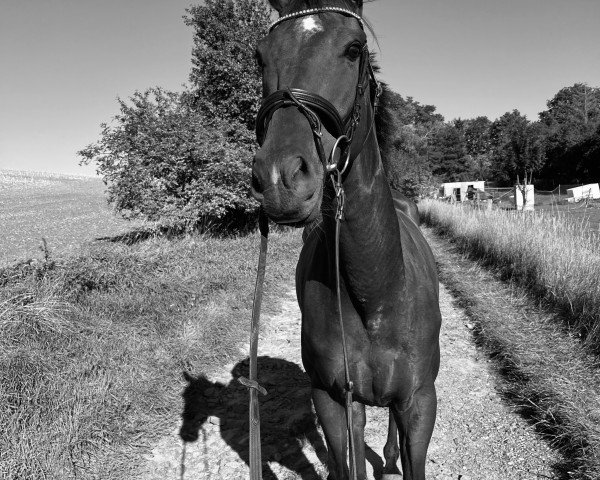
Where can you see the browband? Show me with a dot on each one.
(312, 11)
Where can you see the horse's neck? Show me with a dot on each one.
(370, 249)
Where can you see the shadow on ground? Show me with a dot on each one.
(140, 235)
(287, 421)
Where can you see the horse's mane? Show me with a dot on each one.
(384, 120)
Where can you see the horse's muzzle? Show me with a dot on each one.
(289, 189)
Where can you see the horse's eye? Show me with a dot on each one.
(353, 51)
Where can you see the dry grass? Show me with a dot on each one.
(92, 346)
(556, 258)
(545, 372)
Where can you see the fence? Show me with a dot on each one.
(542, 197)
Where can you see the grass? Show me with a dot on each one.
(546, 373)
(556, 259)
(93, 345)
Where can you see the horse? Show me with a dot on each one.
(317, 117)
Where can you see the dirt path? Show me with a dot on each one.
(476, 435)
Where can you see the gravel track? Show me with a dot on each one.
(476, 435)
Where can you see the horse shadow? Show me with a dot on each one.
(287, 419)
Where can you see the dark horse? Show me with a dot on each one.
(316, 72)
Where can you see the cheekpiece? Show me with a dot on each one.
(312, 11)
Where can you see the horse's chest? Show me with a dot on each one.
(379, 372)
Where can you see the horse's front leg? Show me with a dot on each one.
(415, 428)
(391, 451)
(332, 417)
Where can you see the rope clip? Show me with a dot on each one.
(339, 195)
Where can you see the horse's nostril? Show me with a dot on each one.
(299, 166)
(256, 186)
(303, 166)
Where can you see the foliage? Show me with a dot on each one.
(449, 154)
(479, 146)
(166, 162)
(183, 159)
(589, 148)
(518, 146)
(572, 120)
(563, 146)
(226, 82)
(404, 136)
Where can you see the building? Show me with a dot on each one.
(585, 192)
(458, 190)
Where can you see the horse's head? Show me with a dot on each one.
(315, 70)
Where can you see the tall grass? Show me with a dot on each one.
(92, 347)
(558, 259)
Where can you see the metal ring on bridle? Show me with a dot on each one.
(334, 166)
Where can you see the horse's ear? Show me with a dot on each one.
(359, 5)
(279, 5)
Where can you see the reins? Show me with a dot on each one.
(310, 105)
(252, 382)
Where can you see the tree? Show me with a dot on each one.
(519, 147)
(449, 154)
(184, 158)
(404, 131)
(164, 162)
(479, 146)
(572, 117)
(225, 80)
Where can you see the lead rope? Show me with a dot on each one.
(255, 459)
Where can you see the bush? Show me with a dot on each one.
(164, 161)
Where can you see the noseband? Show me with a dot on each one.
(319, 111)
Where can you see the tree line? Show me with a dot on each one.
(184, 158)
(561, 147)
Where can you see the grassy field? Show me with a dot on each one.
(65, 210)
(555, 257)
(585, 214)
(92, 347)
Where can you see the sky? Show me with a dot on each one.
(64, 63)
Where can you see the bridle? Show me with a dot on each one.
(320, 112)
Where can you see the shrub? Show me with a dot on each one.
(163, 161)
